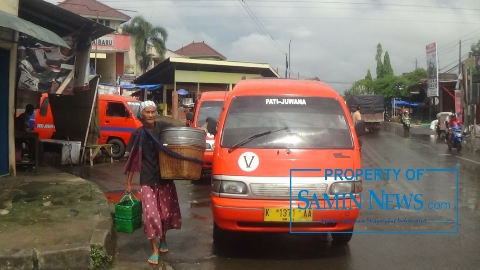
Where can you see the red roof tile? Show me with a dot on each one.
(91, 7)
(199, 49)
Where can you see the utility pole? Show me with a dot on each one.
(459, 57)
(289, 62)
(98, 13)
(286, 65)
(416, 64)
(476, 95)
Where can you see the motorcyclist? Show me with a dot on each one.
(452, 121)
(405, 116)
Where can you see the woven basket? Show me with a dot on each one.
(177, 169)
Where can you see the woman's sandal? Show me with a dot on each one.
(153, 259)
(163, 248)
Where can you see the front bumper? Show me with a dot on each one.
(248, 215)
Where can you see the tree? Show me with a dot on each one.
(369, 76)
(360, 87)
(378, 58)
(392, 86)
(387, 84)
(415, 76)
(145, 33)
(387, 67)
(475, 51)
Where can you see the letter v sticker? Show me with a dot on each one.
(248, 161)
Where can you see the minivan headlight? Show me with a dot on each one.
(210, 145)
(229, 187)
(346, 187)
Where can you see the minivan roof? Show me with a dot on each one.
(115, 97)
(287, 87)
(214, 95)
(108, 96)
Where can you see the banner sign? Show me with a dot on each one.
(43, 67)
(106, 41)
(108, 89)
(458, 105)
(432, 70)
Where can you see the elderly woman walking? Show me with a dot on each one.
(161, 210)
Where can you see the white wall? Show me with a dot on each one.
(129, 58)
(10, 6)
(107, 67)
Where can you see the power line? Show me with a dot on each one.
(446, 46)
(296, 7)
(259, 24)
(308, 1)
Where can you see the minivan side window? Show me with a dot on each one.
(115, 109)
(44, 107)
(209, 109)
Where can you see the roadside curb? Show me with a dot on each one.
(70, 256)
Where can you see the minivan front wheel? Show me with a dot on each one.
(342, 237)
(118, 148)
(222, 237)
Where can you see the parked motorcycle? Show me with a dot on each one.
(456, 138)
(406, 124)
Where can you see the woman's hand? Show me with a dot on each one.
(128, 189)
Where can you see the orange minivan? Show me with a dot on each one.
(117, 115)
(209, 104)
(269, 126)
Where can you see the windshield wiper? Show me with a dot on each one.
(254, 137)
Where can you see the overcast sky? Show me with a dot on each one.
(332, 40)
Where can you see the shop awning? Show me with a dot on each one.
(150, 87)
(12, 22)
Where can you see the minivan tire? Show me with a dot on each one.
(342, 238)
(221, 237)
(118, 148)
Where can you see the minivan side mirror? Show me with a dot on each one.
(360, 127)
(212, 124)
(189, 116)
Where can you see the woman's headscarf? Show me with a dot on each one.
(144, 105)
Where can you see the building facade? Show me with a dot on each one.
(33, 32)
(111, 55)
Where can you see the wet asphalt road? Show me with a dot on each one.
(192, 247)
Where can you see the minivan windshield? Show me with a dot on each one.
(298, 122)
(134, 106)
(208, 109)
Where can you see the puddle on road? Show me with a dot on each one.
(199, 204)
(198, 217)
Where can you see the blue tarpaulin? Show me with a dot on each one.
(406, 103)
(150, 87)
